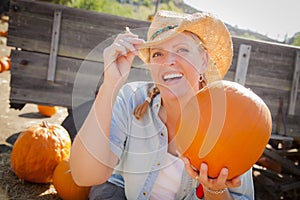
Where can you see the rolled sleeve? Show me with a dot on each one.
(246, 190)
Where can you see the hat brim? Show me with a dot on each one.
(214, 35)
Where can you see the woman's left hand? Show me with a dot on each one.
(215, 184)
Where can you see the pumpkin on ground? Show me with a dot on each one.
(3, 33)
(5, 63)
(47, 111)
(38, 150)
(65, 185)
(226, 125)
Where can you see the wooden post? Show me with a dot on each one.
(242, 64)
(295, 83)
(54, 45)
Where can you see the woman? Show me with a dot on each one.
(132, 141)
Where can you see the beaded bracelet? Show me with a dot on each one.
(216, 191)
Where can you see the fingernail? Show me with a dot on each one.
(225, 171)
(237, 181)
(203, 166)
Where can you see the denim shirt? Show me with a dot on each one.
(141, 146)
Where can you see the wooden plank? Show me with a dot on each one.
(29, 83)
(295, 83)
(290, 186)
(285, 163)
(267, 59)
(260, 80)
(281, 138)
(269, 95)
(81, 31)
(242, 64)
(293, 126)
(266, 48)
(267, 66)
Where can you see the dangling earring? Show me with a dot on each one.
(202, 81)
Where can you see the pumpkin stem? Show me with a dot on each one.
(45, 124)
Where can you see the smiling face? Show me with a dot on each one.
(176, 65)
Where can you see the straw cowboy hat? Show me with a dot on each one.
(211, 31)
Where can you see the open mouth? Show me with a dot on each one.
(172, 76)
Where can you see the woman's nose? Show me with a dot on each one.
(170, 59)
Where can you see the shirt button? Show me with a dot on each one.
(144, 193)
(158, 164)
(162, 134)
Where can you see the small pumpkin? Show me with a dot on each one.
(38, 150)
(226, 125)
(47, 111)
(5, 63)
(64, 184)
(3, 33)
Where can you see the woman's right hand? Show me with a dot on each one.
(118, 58)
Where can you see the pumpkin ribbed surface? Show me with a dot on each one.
(65, 185)
(226, 125)
(38, 150)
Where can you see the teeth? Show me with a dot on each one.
(171, 76)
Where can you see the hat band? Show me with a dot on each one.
(162, 30)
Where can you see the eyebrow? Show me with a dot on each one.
(175, 45)
(182, 43)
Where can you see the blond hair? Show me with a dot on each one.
(141, 109)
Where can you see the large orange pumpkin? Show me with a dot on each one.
(226, 125)
(47, 111)
(38, 150)
(65, 185)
